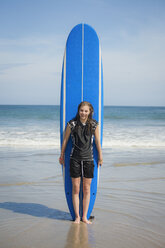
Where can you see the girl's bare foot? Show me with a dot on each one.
(77, 220)
(86, 221)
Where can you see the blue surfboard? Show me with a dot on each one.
(82, 80)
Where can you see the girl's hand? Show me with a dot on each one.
(61, 159)
(100, 162)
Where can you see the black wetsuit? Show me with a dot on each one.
(82, 139)
(81, 157)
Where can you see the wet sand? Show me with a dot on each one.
(129, 209)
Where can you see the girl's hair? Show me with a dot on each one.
(89, 120)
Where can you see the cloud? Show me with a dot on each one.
(142, 58)
(30, 70)
(32, 52)
(134, 71)
(5, 67)
(133, 68)
(32, 41)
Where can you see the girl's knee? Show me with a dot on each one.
(86, 189)
(76, 188)
(75, 185)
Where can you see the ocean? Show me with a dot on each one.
(38, 126)
(130, 202)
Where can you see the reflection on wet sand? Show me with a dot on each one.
(77, 236)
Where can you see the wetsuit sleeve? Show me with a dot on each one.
(94, 125)
(71, 124)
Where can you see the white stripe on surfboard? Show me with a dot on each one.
(100, 91)
(82, 98)
(100, 94)
(82, 80)
(98, 175)
(64, 92)
(64, 106)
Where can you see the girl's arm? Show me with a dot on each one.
(65, 141)
(98, 145)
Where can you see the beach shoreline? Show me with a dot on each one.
(129, 208)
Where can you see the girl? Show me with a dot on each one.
(82, 128)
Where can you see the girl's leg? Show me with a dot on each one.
(75, 197)
(86, 198)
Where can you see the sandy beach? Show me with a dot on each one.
(129, 209)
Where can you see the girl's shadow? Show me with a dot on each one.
(37, 210)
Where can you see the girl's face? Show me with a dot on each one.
(84, 112)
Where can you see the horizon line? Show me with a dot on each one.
(103, 106)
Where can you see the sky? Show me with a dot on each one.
(33, 35)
